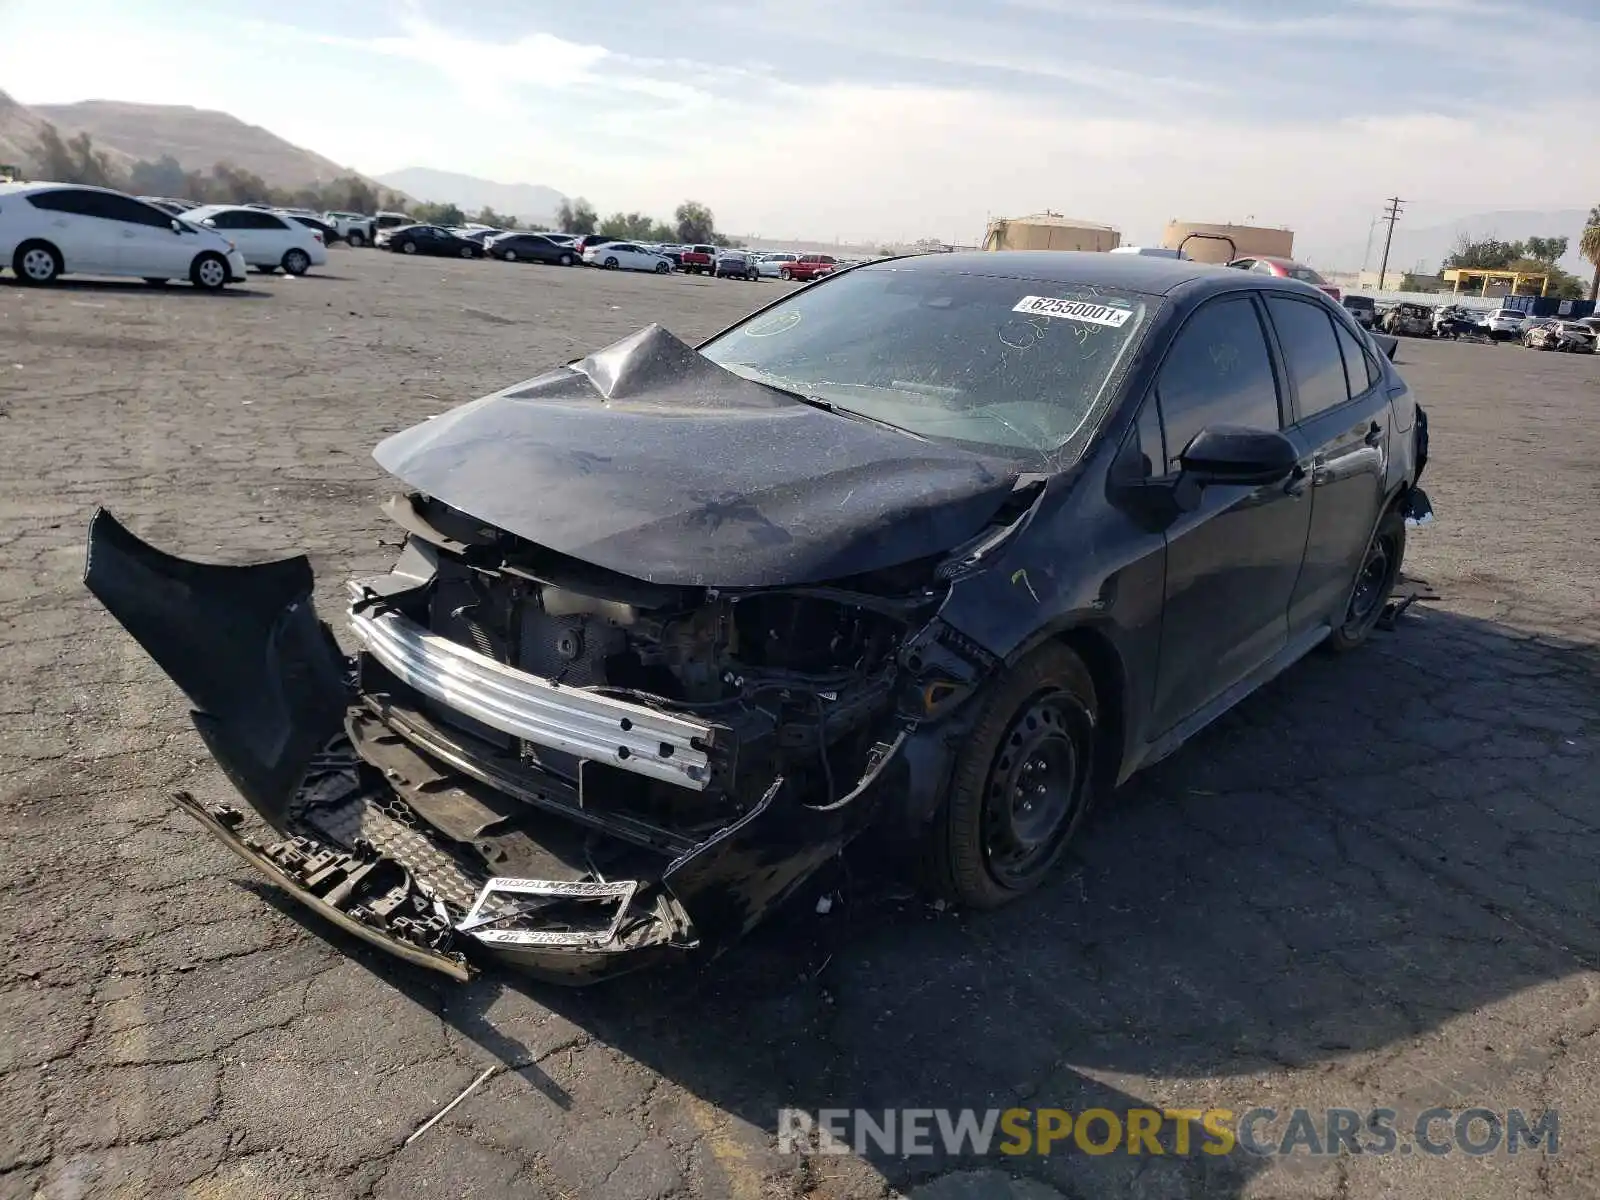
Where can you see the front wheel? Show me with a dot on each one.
(408, 247)
(1375, 579)
(786, 274)
(509, 256)
(1023, 782)
(466, 252)
(209, 272)
(663, 268)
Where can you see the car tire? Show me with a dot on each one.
(355, 239)
(37, 263)
(296, 261)
(612, 264)
(467, 252)
(509, 255)
(663, 268)
(1031, 744)
(408, 247)
(1374, 581)
(566, 260)
(785, 274)
(209, 272)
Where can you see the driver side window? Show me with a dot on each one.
(1218, 372)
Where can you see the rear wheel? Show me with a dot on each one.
(785, 274)
(209, 272)
(37, 262)
(612, 264)
(1023, 782)
(566, 260)
(296, 261)
(355, 238)
(1375, 579)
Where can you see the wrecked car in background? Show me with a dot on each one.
(944, 546)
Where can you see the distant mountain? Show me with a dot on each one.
(198, 138)
(529, 201)
(1431, 244)
(20, 127)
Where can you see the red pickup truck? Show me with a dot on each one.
(699, 260)
(808, 267)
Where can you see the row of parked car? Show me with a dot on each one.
(1410, 318)
(53, 229)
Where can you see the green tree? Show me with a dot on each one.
(164, 177)
(695, 222)
(1487, 255)
(438, 214)
(1546, 250)
(1589, 247)
(577, 216)
(630, 227)
(74, 160)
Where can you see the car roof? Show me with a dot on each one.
(41, 185)
(1088, 268)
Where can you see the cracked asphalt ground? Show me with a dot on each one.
(1373, 884)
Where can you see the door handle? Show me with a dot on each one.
(1374, 434)
(1296, 483)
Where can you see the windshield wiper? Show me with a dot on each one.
(828, 406)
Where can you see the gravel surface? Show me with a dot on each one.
(1373, 884)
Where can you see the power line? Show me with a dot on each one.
(1391, 215)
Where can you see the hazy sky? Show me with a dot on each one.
(878, 119)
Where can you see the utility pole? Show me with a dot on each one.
(1391, 215)
(1366, 255)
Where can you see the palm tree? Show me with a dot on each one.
(1589, 247)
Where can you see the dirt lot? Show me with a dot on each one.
(1372, 885)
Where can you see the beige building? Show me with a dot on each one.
(1250, 241)
(1049, 231)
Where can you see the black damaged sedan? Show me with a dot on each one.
(946, 546)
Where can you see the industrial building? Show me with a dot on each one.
(1049, 231)
(1250, 241)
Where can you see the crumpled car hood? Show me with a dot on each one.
(648, 459)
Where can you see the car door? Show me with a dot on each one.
(67, 220)
(1341, 428)
(272, 235)
(233, 224)
(145, 243)
(1233, 559)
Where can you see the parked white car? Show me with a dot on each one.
(266, 239)
(626, 256)
(51, 229)
(1507, 323)
(768, 265)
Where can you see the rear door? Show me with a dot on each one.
(1341, 428)
(1232, 561)
(68, 220)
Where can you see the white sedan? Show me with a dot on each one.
(267, 240)
(768, 265)
(626, 256)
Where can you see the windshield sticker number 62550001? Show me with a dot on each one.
(1073, 310)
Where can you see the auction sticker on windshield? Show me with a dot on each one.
(1074, 310)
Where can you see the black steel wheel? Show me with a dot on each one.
(1023, 782)
(1374, 581)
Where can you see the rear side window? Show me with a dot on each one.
(228, 220)
(1311, 352)
(261, 220)
(1360, 372)
(66, 200)
(1218, 372)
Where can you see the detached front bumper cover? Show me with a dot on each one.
(275, 701)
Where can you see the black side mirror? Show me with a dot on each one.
(1230, 454)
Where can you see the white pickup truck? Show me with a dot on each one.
(355, 229)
